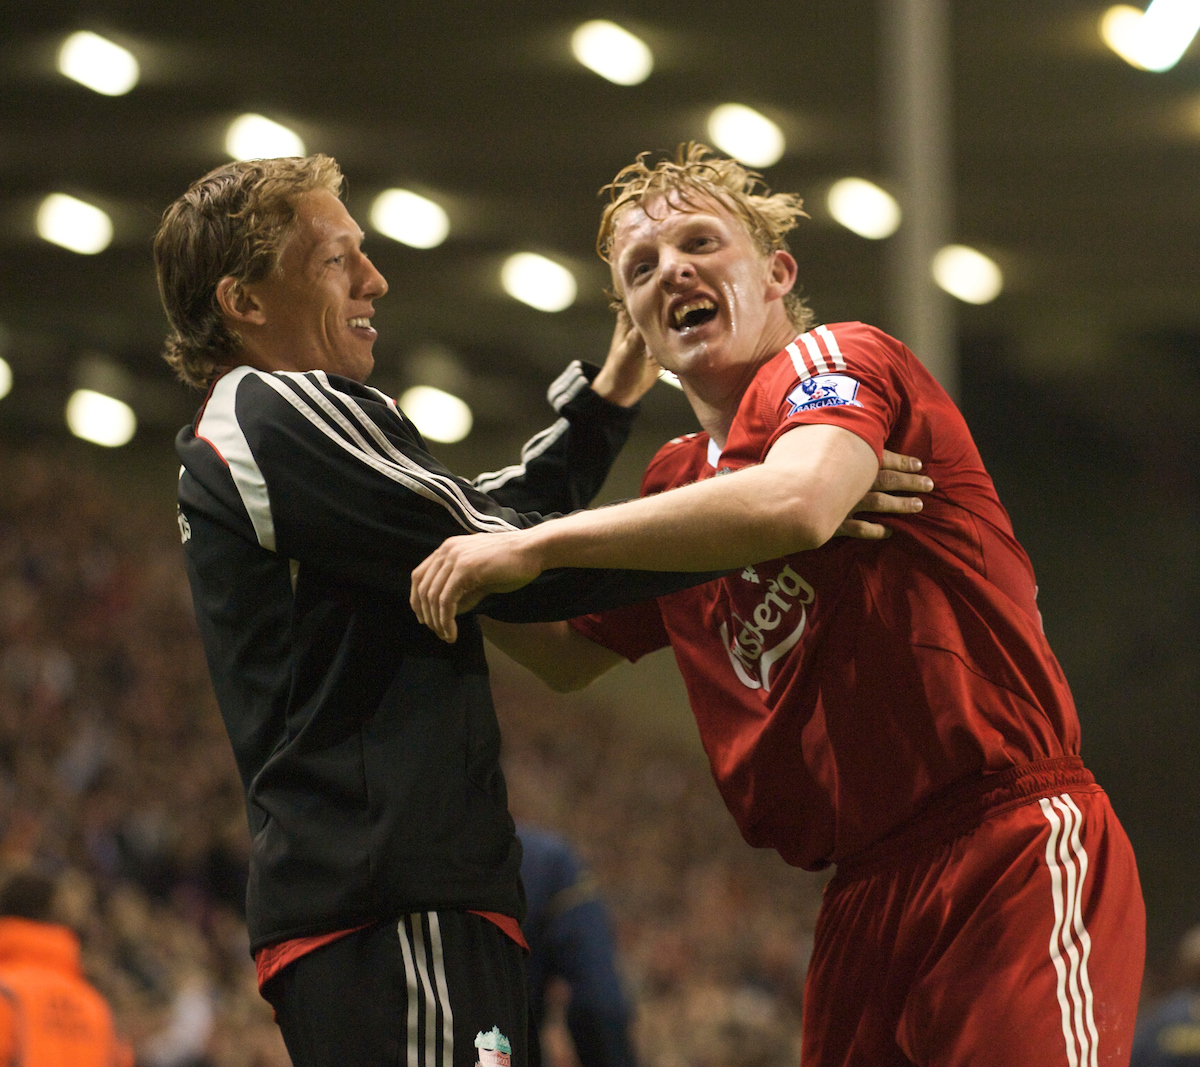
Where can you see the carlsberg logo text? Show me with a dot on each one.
(768, 615)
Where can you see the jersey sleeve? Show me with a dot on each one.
(563, 467)
(842, 375)
(632, 631)
(328, 473)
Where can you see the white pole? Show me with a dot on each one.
(918, 122)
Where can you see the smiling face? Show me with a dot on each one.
(707, 301)
(314, 311)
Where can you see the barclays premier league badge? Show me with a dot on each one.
(823, 391)
(494, 1049)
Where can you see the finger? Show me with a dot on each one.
(890, 481)
(443, 607)
(887, 504)
(863, 531)
(449, 633)
(416, 598)
(428, 579)
(897, 461)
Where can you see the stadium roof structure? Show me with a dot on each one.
(1073, 170)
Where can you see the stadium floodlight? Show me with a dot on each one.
(967, 274)
(101, 419)
(746, 134)
(253, 136)
(861, 206)
(612, 52)
(74, 224)
(1154, 40)
(671, 378)
(439, 415)
(537, 281)
(410, 219)
(5, 378)
(98, 63)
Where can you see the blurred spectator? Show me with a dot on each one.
(49, 1015)
(1168, 1033)
(570, 938)
(115, 771)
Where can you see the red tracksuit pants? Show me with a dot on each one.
(1018, 941)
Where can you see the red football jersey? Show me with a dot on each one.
(838, 691)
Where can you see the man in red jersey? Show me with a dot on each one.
(891, 707)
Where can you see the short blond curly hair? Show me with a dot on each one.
(233, 222)
(696, 174)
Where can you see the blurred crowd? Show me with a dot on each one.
(115, 776)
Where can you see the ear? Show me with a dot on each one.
(239, 303)
(781, 274)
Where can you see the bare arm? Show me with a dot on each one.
(560, 656)
(566, 660)
(795, 500)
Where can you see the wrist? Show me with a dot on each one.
(608, 385)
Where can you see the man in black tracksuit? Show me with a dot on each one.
(384, 897)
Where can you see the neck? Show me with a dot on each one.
(716, 400)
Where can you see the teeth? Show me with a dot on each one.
(359, 322)
(702, 304)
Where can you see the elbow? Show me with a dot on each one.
(823, 531)
(566, 684)
(804, 529)
(567, 677)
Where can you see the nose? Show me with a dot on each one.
(676, 270)
(371, 284)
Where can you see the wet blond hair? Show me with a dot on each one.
(232, 223)
(695, 175)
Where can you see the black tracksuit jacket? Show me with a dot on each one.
(368, 749)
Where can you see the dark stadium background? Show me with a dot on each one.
(1076, 172)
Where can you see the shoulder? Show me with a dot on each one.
(251, 404)
(679, 462)
(249, 392)
(824, 368)
(838, 347)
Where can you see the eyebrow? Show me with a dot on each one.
(695, 219)
(339, 241)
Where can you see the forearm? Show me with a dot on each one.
(795, 500)
(754, 515)
(560, 656)
(563, 467)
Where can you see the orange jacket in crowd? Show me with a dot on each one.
(49, 1015)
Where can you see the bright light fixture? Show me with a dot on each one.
(537, 281)
(74, 224)
(1155, 40)
(863, 207)
(612, 52)
(5, 378)
(967, 274)
(410, 219)
(101, 419)
(439, 415)
(99, 64)
(258, 137)
(671, 378)
(746, 134)
(1120, 26)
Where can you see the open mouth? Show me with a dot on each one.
(694, 313)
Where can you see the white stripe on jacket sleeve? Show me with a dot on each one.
(379, 454)
(219, 426)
